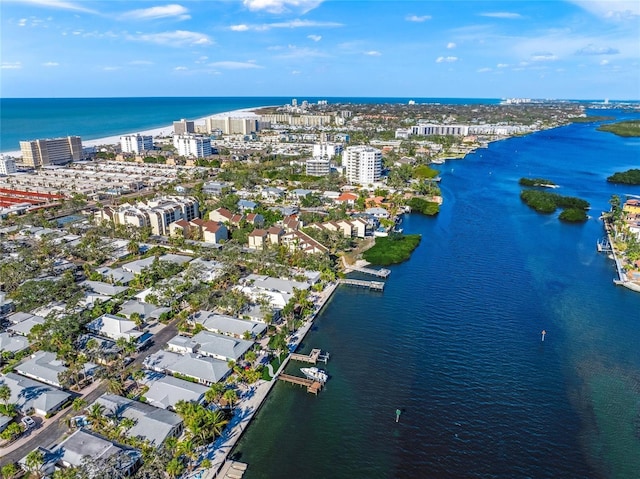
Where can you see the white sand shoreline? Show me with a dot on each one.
(160, 131)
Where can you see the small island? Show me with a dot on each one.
(629, 177)
(630, 128)
(392, 249)
(537, 182)
(545, 202)
(423, 206)
(590, 119)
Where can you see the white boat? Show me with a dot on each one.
(315, 374)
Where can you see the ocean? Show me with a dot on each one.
(454, 341)
(92, 118)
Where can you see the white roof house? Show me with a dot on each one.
(42, 366)
(29, 395)
(221, 347)
(165, 391)
(23, 322)
(223, 324)
(13, 344)
(137, 266)
(151, 423)
(204, 369)
(114, 327)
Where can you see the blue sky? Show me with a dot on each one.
(581, 49)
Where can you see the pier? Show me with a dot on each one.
(377, 285)
(313, 357)
(312, 386)
(380, 273)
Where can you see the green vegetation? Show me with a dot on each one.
(423, 206)
(424, 171)
(629, 177)
(535, 182)
(545, 202)
(573, 215)
(392, 249)
(590, 119)
(629, 128)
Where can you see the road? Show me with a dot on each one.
(54, 431)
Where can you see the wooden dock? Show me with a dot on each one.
(380, 273)
(232, 470)
(377, 285)
(312, 386)
(313, 357)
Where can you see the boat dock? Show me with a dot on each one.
(312, 386)
(380, 273)
(313, 357)
(604, 246)
(377, 285)
(232, 470)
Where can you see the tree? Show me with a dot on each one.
(9, 470)
(175, 467)
(34, 461)
(133, 247)
(230, 396)
(5, 394)
(78, 404)
(214, 393)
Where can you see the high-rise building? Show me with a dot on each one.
(363, 164)
(318, 166)
(326, 150)
(56, 151)
(7, 165)
(183, 127)
(136, 143)
(192, 145)
(229, 125)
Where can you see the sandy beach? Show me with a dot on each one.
(155, 132)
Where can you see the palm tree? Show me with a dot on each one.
(230, 396)
(96, 414)
(5, 394)
(78, 404)
(216, 422)
(133, 247)
(214, 393)
(34, 461)
(187, 449)
(115, 386)
(175, 467)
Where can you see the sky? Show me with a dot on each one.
(552, 49)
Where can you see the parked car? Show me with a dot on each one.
(28, 422)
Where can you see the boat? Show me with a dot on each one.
(315, 374)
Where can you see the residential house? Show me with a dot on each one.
(222, 215)
(146, 311)
(21, 323)
(152, 424)
(13, 343)
(114, 327)
(272, 193)
(43, 366)
(228, 325)
(137, 266)
(299, 241)
(255, 219)
(360, 227)
(274, 234)
(291, 223)
(203, 369)
(116, 276)
(347, 198)
(258, 239)
(165, 391)
(219, 346)
(247, 205)
(31, 396)
(379, 213)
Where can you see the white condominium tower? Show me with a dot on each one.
(363, 164)
(193, 146)
(56, 151)
(136, 143)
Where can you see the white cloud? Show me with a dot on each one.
(180, 68)
(373, 53)
(290, 24)
(451, 45)
(417, 18)
(178, 38)
(294, 52)
(611, 9)
(110, 69)
(22, 22)
(315, 38)
(543, 57)
(152, 13)
(61, 5)
(484, 70)
(502, 65)
(50, 64)
(231, 65)
(592, 49)
(296, 72)
(446, 59)
(604, 62)
(281, 6)
(11, 65)
(507, 15)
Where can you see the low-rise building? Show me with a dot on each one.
(203, 369)
(43, 366)
(165, 391)
(34, 397)
(228, 325)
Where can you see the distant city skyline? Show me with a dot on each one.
(579, 49)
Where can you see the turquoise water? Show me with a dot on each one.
(93, 118)
(454, 340)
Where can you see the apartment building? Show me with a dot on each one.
(7, 165)
(55, 151)
(157, 214)
(363, 164)
(136, 143)
(230, 125)
(183, 127)
(192, 145)
(320, 166)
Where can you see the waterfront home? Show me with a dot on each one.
(73, 451)
(268, 283)
(21, 323)
(152, 424)
(13, 343)
(219, 346)
(205, 370)
(379, 213)
(114, 327)
(299, 241)
(33, 397)
(227, 325)
(43, 366)
(165, 391)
